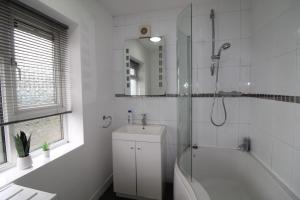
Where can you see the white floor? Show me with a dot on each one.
(219, 189)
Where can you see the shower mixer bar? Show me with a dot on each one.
(230, 94)
(212, 17)
(214, 69)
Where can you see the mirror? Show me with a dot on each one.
(145, 66)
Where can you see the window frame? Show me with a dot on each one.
(6, 133)
(58, 91)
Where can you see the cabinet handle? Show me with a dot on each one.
(131, 147)
(139, 148)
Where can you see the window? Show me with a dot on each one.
(30, 72)
(34, 78)
(2, 148)
(47, 129)
(133, 72)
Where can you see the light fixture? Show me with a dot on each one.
(186, 85)
(155, 39)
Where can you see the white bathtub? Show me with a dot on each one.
(226, 174)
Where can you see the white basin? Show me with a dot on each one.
(148, 133)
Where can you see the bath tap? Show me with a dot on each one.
(246, 145)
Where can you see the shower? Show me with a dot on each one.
(214, 69)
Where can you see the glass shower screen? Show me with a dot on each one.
(184, 90)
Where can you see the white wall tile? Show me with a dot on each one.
(171, 157)
(227, 136)
(245, 4)
(171, 131)
(229, 5)
(243, 131)
(232, 110)
(171, 57)
(275, 70)
(203, 7)
(229, 25)
(295, 181)
(229, 78)
(284, 74)
(206, 134)
(285, 35)
(245, 106)
(206, 82)
(245, 51)
(201, 28)
(171, 77)
(201, 109)
(282, 159)
(262, 146)
(246, 25)
(297, 127)
(195, 81)
(168, 109)
(118, 38)
(244, 79)
(202, 54)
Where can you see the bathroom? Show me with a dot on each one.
(218, 114)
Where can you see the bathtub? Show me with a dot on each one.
(226, 174)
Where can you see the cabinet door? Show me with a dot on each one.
(124, 170)
(149, 170)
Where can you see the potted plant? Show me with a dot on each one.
(46, 150)
(22, 144)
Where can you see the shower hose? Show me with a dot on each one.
(214, 103)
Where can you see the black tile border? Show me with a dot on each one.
(164, 95)
(274, 97)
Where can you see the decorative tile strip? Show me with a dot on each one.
(165, 95)
(275, 97)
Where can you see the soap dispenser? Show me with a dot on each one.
(130, 120)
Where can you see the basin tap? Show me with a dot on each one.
(144, 120)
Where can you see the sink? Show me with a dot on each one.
(148, 133)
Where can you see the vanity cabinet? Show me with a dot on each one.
(149, 170)
(138, 168)
(124, 167)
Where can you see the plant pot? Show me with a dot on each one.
(24, 163)
(47, 154)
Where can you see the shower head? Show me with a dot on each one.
(224, 47)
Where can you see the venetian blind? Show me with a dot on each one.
(33, 65)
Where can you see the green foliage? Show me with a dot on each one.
(22, 144)
(45, 147)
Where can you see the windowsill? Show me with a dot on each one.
(10, 175)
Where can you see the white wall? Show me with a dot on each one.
(79, 174)
(232, 25)
(159, 110)
(276, 70)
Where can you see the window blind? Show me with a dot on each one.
(34, 75)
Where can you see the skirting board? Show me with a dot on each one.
(100, 191)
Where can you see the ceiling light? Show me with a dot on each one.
(155, 39)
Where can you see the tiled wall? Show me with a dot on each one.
(159, 110)
(276, 70)
(265, 52)
(232, 25)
